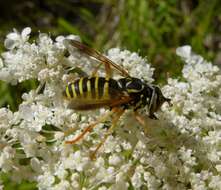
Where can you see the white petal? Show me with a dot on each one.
(13, 36)
(10, 44)
(25, 32)
(1, 63)
(184, 51)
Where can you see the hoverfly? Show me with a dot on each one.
(87, 93)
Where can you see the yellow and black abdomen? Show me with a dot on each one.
(80, 88)
(92, 92)
(92, 88)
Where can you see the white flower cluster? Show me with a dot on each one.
(132, 62)
(181, 150)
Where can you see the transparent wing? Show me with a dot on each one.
(89, 104)
(97, 55)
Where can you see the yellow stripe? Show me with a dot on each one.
(106, 88)
(73, 90)
(89, 95)
(133, 90)
(67, 92)
(96, 88)
(81, 86)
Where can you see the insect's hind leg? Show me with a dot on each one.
(103, 118)
(118, 112)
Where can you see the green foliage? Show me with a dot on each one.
(11, 95)
(9, 185)
(157, 28)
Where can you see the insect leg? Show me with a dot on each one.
(119, 112)
(94, 73)
(90, 127)
(108, 69)
(141, 120)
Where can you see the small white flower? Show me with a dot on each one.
(45, 181)
(76, 161)
(64, 185)
(102, 188)
(114, 159)
(215, 182)
(36, 115)
(179, 150)
(6, 159)
(1, 63)
(15, 39)
(184, 51)
(132, 62)
(36, 164)
(110, 145)
(136, 180)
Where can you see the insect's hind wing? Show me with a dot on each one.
(84, 104)
(97, 55)
(90, 104)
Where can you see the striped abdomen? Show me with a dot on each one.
(96, 88)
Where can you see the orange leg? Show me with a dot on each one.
(108, 69)
(109, 131)
(94, 73)
(91, 126)
(141, 120)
